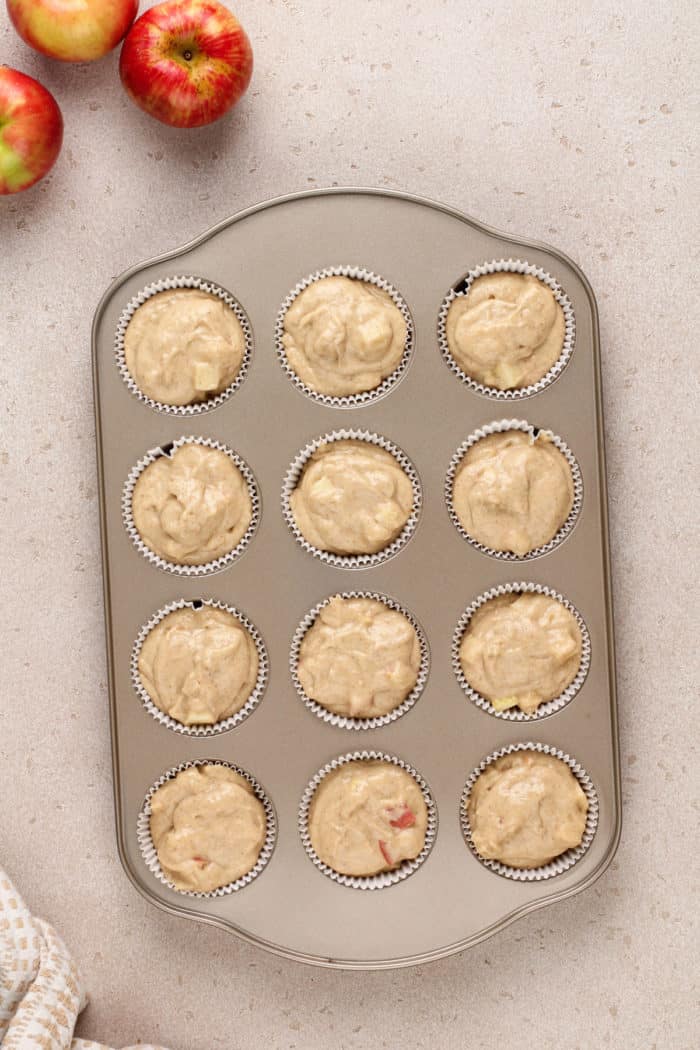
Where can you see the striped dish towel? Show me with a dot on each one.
(41, 993)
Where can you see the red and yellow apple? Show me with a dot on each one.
(186, 62)
(31, 131)
(72, 30)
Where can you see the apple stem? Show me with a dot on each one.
(187, 55)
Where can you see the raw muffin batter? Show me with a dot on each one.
(359, 658)
(513, 492)
(520, 650)
(198, 665)
(353, 498)
(525, 809)
(507, 331)
(207, 827)
(343, 336)
(183, 346)
(367, 817)
(193, 506)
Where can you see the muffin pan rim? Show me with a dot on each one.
(459, 937)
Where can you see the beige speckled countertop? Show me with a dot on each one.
(570, 123)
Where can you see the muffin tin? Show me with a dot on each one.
(452, 900)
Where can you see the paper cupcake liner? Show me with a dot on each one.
(461, 289)
(347, 400)
(498, 428)
(352, 561)
(168, 566)
(208, 729)
(550, 706)
(384, 879)
(148, 849)
(565, 860)
(345, 721)
(169, 284)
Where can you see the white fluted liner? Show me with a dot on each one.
(168, 566)
(461, 289)
(167, 284)
(205, 729)
(387, 878)
(565, 860)
(148, 850)
(345, 721)
(501, 427)
(352, 561)
(549, 707)
(367, 396)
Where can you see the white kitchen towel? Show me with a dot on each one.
(41, 993)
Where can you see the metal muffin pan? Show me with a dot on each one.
(452, 901)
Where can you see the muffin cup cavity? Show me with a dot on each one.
(367, 396)
(384, 879)
(461, 289)
(345, 721)
(148, 849)
(168, 284)
(501, 427)
(201, 730)
(561, 863)
(174, 567)
(352, 561)
(549, 707)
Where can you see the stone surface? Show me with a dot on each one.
(569, 123)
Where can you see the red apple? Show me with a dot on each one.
(186, 62)
(31, 131)
(72, 30)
